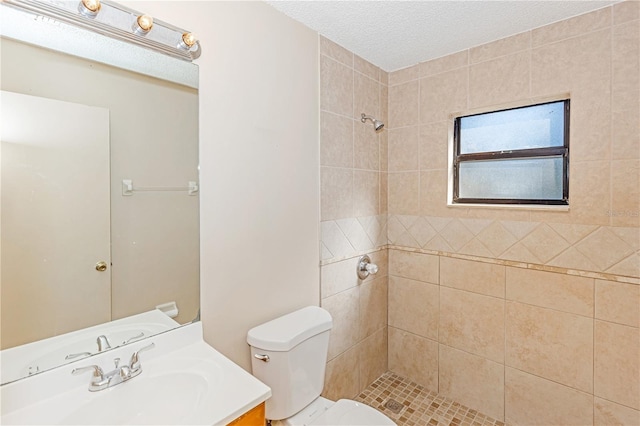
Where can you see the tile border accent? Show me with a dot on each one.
(564, 248)
(326, 262)
(353, 253)
(606, 252)
(523, 265)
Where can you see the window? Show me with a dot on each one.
(513, 156)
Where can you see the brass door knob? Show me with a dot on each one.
(101, 266)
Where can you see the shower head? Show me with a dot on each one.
(377, 124)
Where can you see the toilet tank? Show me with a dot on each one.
(296, 345)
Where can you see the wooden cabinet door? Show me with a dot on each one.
(254, 417)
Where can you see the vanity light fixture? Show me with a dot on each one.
(114, 20)
(89, 8)
(143, 24)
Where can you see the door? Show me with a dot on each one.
(54, 223)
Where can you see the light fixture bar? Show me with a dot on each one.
(116, 21)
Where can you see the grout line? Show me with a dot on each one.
(551, 380)
(418, 128)
(353, 140)
(439, 320)
(504, 55)
(532, 305)
(581, 34)
(423, 337)
(611, 52)
(593, 355)
(379, 146)
(613, 402)
(468, 79)
(504, 364)
(367, 76)
(337, 114)
(529, 47)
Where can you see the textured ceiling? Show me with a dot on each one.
(398, 34)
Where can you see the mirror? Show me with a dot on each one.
(99, 205)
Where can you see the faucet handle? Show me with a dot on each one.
(98, 381)
(79, 354)
(134, 363)
(97, 371)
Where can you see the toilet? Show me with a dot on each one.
(289, 354)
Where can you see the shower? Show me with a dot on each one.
(377, 125)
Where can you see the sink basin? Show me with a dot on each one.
(183, 381)
(184, 391)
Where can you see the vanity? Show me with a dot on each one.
(183, 381)
(100, 255)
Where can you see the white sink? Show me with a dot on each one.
(183, 381)
(183, 390)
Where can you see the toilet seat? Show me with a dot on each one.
(351, 413)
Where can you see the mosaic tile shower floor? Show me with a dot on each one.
(409, 404)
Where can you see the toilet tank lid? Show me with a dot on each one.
(286, 332)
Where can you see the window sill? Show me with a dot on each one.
(537, 207)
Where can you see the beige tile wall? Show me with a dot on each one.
(595, 58)
(521, 345)
(530, 316)
(358, 342)
(350, 151)
(353, 179)
(353, 157)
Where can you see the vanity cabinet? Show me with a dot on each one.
(253, 417)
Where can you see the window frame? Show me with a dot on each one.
(524, 154)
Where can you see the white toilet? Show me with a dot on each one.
(289, 354)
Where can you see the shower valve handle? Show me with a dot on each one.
(365, 267)
(371, 268)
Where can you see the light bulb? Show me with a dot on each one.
(189, 39)
(92, 5)
(145, 23)
(89, 7)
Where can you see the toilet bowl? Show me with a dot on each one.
(289, 354)
(323, 412)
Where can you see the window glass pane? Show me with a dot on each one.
(530, 179)
(538, 126)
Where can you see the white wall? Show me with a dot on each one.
(259, 159)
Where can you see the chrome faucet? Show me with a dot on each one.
(103, 343)
(101, 380)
